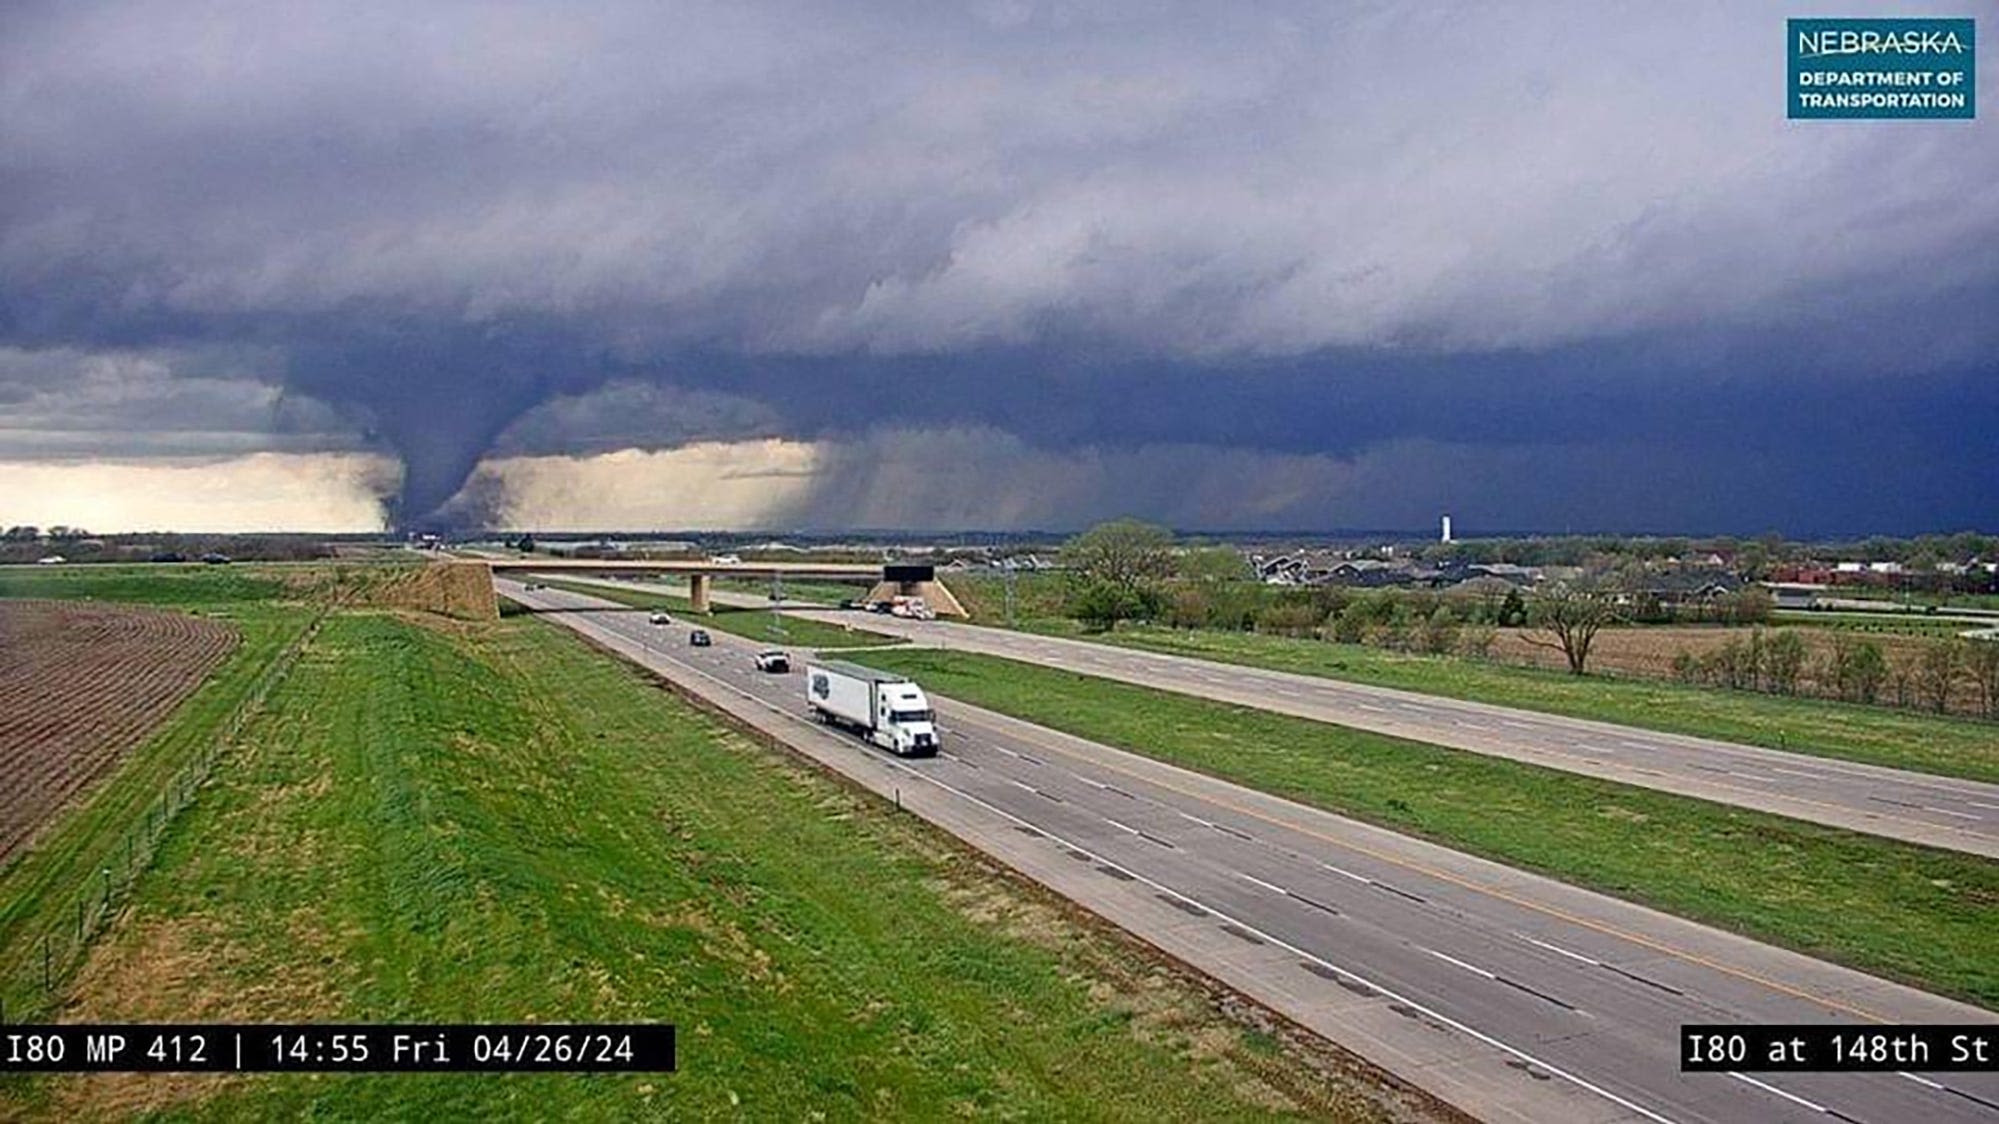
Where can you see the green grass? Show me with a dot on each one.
(824, 592)
(753, 624)
(1890, 624)
(1939, 600)
(169, 585)
(496, 823)
(1928, 917)
(1959, 747)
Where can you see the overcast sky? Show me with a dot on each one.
(1009, 264)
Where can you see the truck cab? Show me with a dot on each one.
(907, 722)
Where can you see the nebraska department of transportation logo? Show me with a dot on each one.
(1882, 68)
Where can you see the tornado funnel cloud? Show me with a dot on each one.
(439, 398)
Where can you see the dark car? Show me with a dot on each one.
(216, 559)
(699, 638)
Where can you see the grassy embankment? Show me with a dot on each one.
(495, 823)
(1928, 917)
(1948, 746)
(754, 624)
(111, 828)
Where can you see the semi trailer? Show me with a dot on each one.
(888, 710)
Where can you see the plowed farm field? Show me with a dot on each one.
(81, 685)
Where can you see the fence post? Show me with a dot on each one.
(45, 963)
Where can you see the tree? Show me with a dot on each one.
(1213, 564)
(1982, 661)
(1936, 672)
(1867, 672)
(1126, 557)
(1512, 611)
(23, 534)
(1571, 616)
(525, 544)
(1784, 662)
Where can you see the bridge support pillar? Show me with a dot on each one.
(697, 592)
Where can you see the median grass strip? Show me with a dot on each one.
(753, 624)
(1956, 747)
(1930, 918)
(493, 822)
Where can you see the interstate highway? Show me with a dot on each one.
(1936, 811)
(1510, 995)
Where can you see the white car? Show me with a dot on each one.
(773, 660)
(660, 618)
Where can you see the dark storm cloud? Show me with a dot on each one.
(1293, 229)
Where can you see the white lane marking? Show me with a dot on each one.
(1757, 777)
(1920, 1080)
(1273, 939)
(1565, 952)
(1195, 818)
(1266, 885)
(1766, 1087)
(1463, 1028)
(1370, 706)
(1595, 748)
(1472, 968)
(1792, 772)
(1469, 724)
(1948, 812)
(1020, 784)
(1348, 873)
(1987, 807)
(1121, 827)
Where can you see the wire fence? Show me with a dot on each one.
(72, 914)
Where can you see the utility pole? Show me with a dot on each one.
(776, 601)
(1007, 566)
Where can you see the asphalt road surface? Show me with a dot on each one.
(1945, 812)
(1510, 995)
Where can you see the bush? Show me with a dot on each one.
(1101, 605)
(1352, 623)
(1440, 632)
(1476, 641)
(1395, 633)
(1686, 667)
(1288, 619)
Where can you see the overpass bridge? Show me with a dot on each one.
(889, 580)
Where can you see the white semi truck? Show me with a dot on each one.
(888, 710)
